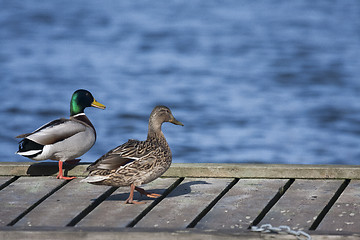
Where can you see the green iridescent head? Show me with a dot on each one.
(82, 99)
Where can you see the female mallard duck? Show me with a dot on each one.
(136, 162)
(63, 139)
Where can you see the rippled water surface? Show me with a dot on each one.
(253, 81)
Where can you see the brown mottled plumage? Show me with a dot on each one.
(136, 162)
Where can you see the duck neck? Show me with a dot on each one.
(75, 109)
(155, 131)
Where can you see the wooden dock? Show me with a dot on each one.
(199, 201)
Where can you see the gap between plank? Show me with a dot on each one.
(91, 207)
(272, 202)
(13, 222)
(328, 206)
(155, 202)
(212, 204)
(8, 182)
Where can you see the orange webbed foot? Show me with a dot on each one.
(131, 195)
(65, 178)
(60, 175)
(150, 195)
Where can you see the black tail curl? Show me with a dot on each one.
(26, 145)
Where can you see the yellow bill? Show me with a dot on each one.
(97, 104)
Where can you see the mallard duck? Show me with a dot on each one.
(63, 139)
(136, 162)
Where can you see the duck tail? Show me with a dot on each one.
(29, 148)
(94, 179)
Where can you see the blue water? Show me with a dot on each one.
(253, 81)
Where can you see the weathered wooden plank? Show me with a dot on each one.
(113, 212)
(69, 233)
(302, 203)
(284, 171)
(242, 204)
(4, 180)
(184, 203)
(345, 214)
(22, 194)
(93, 233)
(61, 207)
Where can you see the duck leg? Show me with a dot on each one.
(143, 192)
(131, 196)
(60, 175)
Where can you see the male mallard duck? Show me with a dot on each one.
(136, 162)
(63, 139)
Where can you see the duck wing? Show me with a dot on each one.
(55, 131)
(132, 150)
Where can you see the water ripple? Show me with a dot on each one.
(250, 85)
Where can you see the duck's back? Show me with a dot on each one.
(135, 161)
(61, 139)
